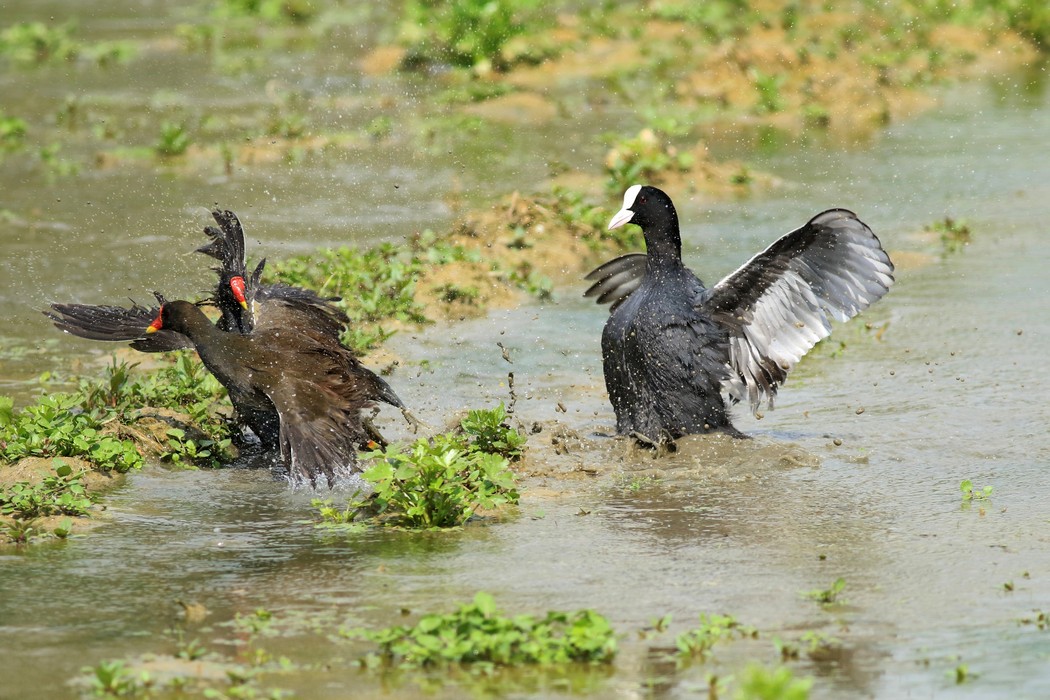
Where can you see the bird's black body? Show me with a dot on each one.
(672, 350)
(664, 363)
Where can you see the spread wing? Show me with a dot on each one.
(116, 324)
(320, 413)
(780, 303)
(615, 280)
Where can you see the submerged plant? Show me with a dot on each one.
(761, 683)
(479, 635)
(697, 643)
(954, 234)
(829, 595)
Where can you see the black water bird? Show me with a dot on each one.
(673, 350)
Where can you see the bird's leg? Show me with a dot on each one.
(375, 438)
(416, 423)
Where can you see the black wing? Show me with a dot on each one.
(616, 279)
(116, 324)
(779, 304)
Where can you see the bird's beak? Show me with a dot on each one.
(622, 217)
(155, 326)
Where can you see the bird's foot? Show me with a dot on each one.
(416, 423)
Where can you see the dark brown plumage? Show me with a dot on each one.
(245, 307)
(317, 401)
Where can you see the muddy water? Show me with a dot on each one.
(953, 390)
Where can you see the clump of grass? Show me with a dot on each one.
(273, 11)
(643, 158)
(376, 285)
(488, 431)
(475, 34)
(74, 424)
(12, 133)
(479, 635)
(719, 19)
(174, 139)
(697, 643)
(437, 483)
(59, 426)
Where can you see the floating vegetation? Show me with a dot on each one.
(972, 493)
(829, 595)
(697, 643)
(478, 635)
(954, 234)
(762, 683)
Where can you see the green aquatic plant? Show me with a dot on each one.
(61, 493)
(57, 425)
(718, 19)
(435, 484)
(698, 642)
(829, 595)
(762, 683)
(479, 635)
(113, 679)
(376, 285)
(273, 11)
(489, 431)
(971, 493)
(12, 133)
(767, 85)
(174, 139)
(471, 33)
(645, 157)
(440, 482)
(36, 43)
(1041, 620)
(954, 234)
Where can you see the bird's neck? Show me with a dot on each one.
(663, 246)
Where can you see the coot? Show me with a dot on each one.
(673, 350)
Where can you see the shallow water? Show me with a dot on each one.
(953, 390)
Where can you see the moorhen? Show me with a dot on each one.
(671, 347)
(317, 401)
(243, 307)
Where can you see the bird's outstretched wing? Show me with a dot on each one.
(615, 280)
(780, 303)
(116, 324)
